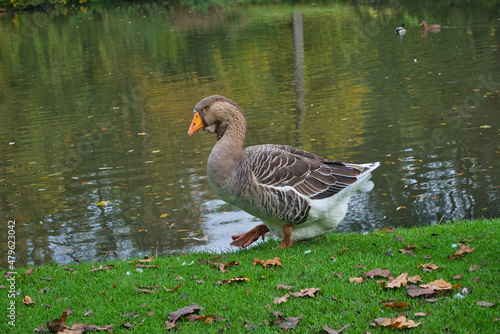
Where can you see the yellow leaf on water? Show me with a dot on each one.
(164, 215)
(485, 126)
(102, 203)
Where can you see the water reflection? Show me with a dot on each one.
(95, 104)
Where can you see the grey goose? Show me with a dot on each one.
(297, 195)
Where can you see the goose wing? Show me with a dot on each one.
(288, 178)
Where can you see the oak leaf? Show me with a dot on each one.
(437, 285)
(357, 280)
(173, 316)
(461, 252)
(429, 267)
(397, 282)
(268, 263)
(28, 301)
(394, 305)
(377, 272)
(399, 322)
(232, 280)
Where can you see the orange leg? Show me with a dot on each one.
(248, 238)
(287, 238)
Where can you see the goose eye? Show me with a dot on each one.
(205, 108)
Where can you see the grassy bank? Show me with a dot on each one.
(237, 295)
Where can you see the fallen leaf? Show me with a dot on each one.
(377, 272)
(422, 314)
(28, 301)
(397, 282)
(145, 290)
(416, 291)
(232, 280)
(170, 325)
(332, 331)
(28, 272)
(461, 252)
(437, 285)
(399, 322)
(394, 305)
(150, 313)
(289, 322)
(174, 289)
(474, 268)
(173, 316)
(357, 280)
(485, 304)
(309, 292)
(458, 276)
(109, 266)
(429, 267)
(406, 251)
(268, 263)
(414, 279)
(149, 259)
(279, 300)
(282, 286)
(58, 325)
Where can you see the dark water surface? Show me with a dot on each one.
(95, 105)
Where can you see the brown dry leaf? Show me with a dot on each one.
(145, 290)
(437, 285)
(280, 300)
(399, 322)
(208, 319)
(282, 286)
(422, 314)
(28, 272)
(171, 324)
(309, 292)
(109, 266)
(146, 265)
(232, 280)
(397, 282)
(377, 272)
(474, 268)
(461, 252)
(358, 280)
(332, 331)
(429, 267)
(394, 305)
(28, 301)
(269, 263)
(288, 323)
(174, 289)
(142, 261)
(485, 304)
(223, 266)
(458, 276)
(414, 279)
(58, 325)
(406, 251)
(173, 316)
(416, 291)
(150, 313)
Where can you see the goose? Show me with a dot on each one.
(297, 195)
(401, 30)
(430, 26)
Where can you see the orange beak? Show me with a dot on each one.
(196, 124)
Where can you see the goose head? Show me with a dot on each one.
(218, 114)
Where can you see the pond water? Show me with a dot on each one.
(95, 104)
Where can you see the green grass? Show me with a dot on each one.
(110, 293)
